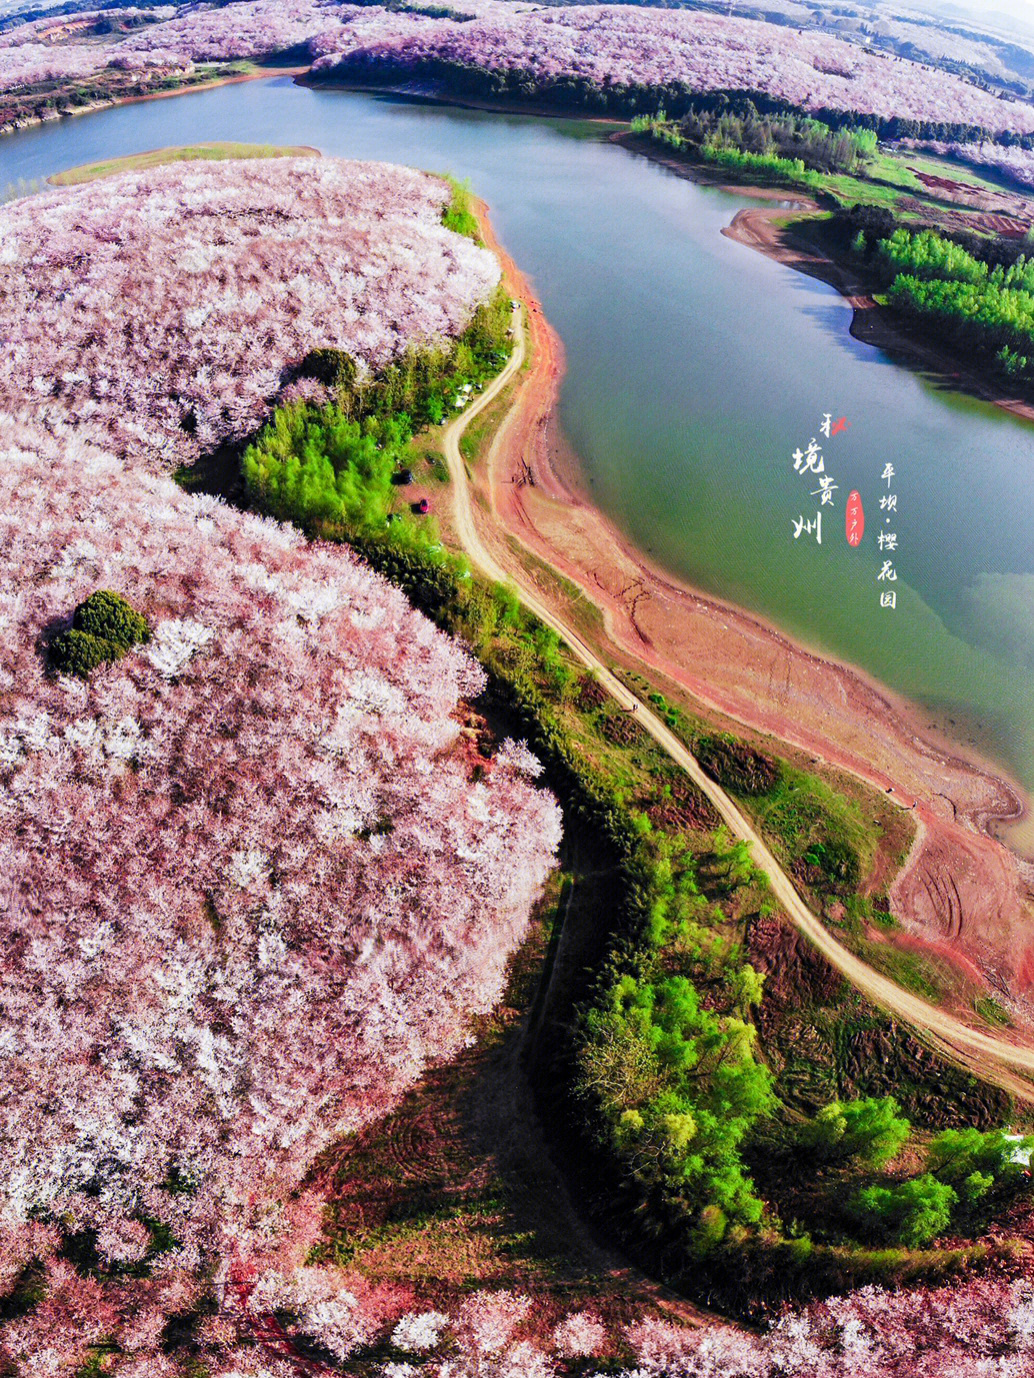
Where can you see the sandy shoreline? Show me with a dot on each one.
(760, 228)
(961, 887)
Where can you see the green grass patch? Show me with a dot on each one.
(158, 157)
(818, 829)
(908, 969)
(992, 1012)
(458, 215)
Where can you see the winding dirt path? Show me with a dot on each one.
(987, 1054)
(743, 672)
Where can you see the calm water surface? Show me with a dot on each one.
(695, 368)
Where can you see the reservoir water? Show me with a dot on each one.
(696, 369)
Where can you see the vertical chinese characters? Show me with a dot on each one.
(810, 461)
(888, 539)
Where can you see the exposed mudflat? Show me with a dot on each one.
(962, 889)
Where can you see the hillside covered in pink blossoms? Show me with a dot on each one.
(621, 45)
(608, 44)
(254, 877)
(250, 885)
(165, 309)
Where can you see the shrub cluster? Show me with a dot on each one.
(103, 629)
(912, 1212)
(736, 765)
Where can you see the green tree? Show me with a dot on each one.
(112, 618)
(912, 1212)
(78, 653)
(973, 1162)
(987, 310)
(873, 1130)
(678, 1086)
(104, 627)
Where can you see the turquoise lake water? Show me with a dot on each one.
(696, 367)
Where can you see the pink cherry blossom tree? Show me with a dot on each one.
(162, 310)
(251, 888)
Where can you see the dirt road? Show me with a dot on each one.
(986, 1054)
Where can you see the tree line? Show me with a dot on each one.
(622, 100)
(741, 134)
(981, 304)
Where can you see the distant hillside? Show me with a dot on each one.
(821, 58)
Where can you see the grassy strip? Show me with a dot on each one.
(458, 215)
(158, 157)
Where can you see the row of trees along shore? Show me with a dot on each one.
(623, 100)
(970, 292)
(782, 145)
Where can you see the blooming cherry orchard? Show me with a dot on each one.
(251, 887)
(605, 44)
(982, 1329)
(28, 64)
(162, 310)
(978, 1329)
(619, 44)
(50, 50)
(252, 29)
